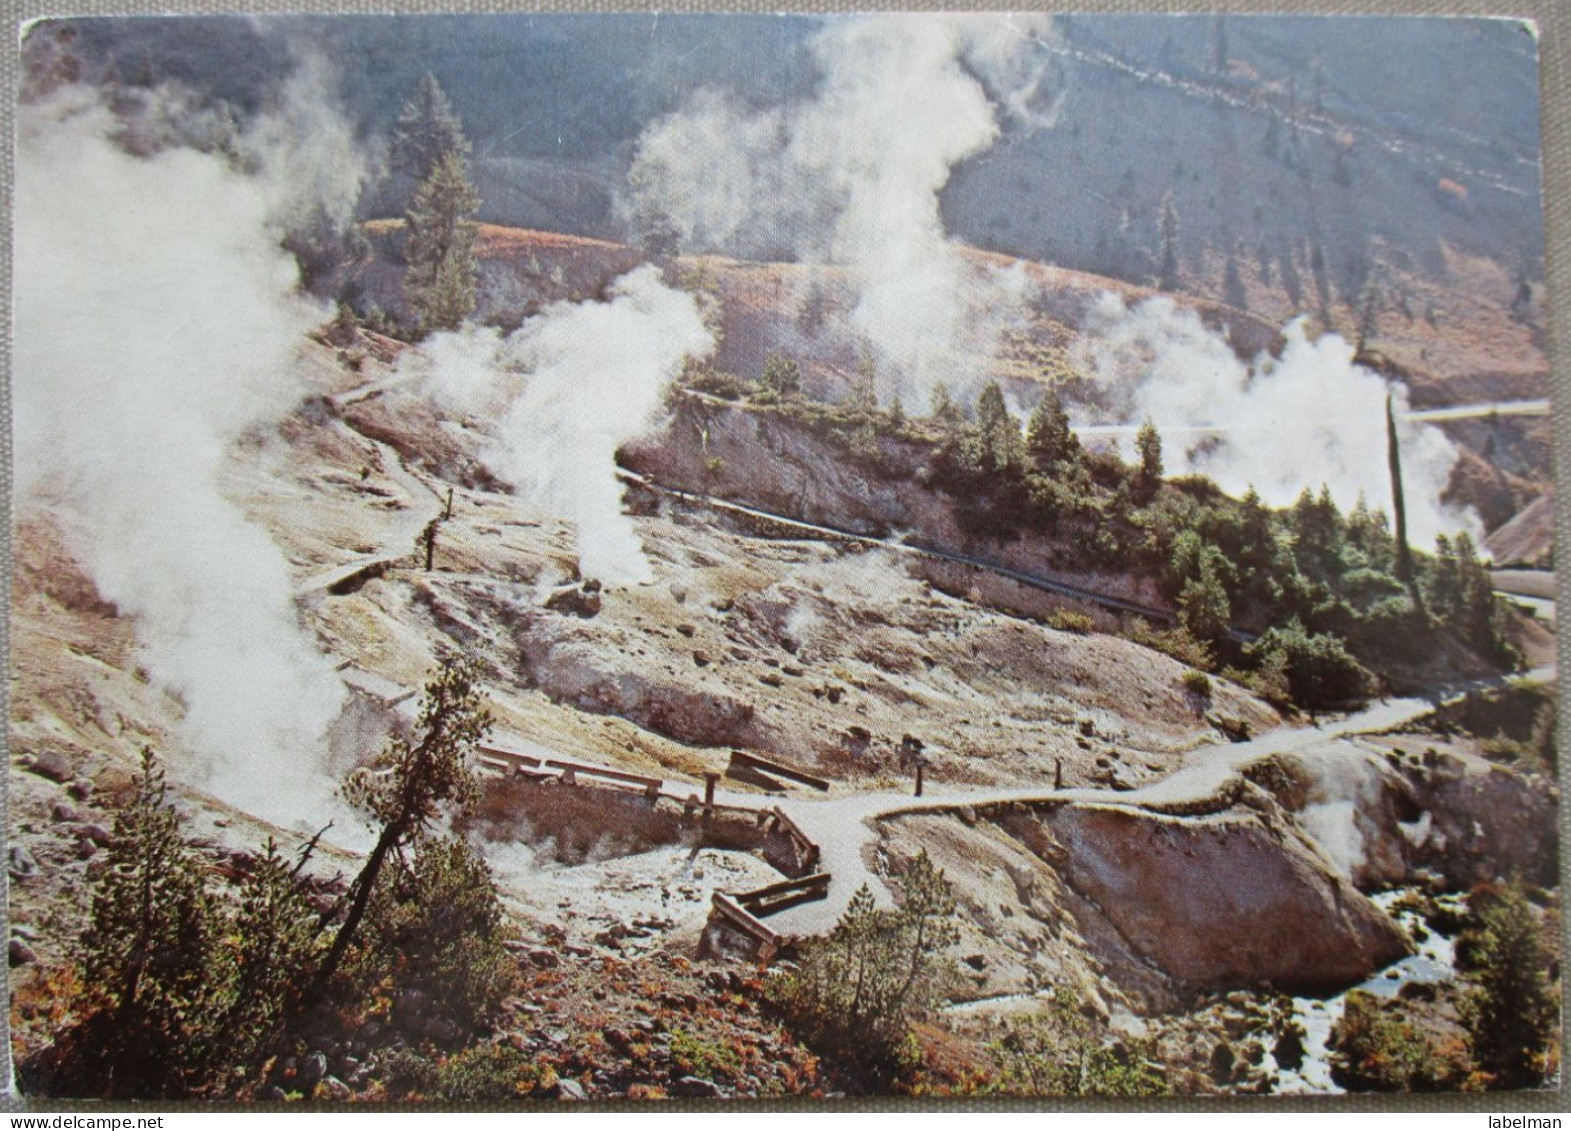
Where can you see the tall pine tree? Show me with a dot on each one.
(429, 145)
(440, 278)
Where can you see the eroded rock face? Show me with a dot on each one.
(1228, 899)
(1485, 821)
(585, 675)
(765, 459)
(1352, 804)
(1381, 819)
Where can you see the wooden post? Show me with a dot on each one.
(919, 767)
(429, 537)
(709, 791)
(1058, 773)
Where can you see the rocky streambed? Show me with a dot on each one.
(1246, 915)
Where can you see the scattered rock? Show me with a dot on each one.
(81, 789)
(85, 849)
(335, 1089)
(578, 601)
(1222, 1061)
(569, 1089)
(687, 629)
(976, 961)
(51, 764)
(701, 658)
(273, 1094)
(21, 863)
(1289, 1049)
(61, 811)
(545, 959)
(22, 954)
(312, 1069)
(1232, 727)
(98, 834)
(696, 1088)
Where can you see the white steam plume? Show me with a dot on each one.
(567, 389)
(315, 166)
(853, 174)
(155, 324)
(1306, 418)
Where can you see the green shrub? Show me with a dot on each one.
(718, 383)
(438, 929)
(1512, 1014)
(1379, 1047)
(693, 1055)
(1061, 1053)
(485, 1071)
(782, 376)
(1197, 683)
(1070, 620)
(1174, 642)
(857, 992)
(1319, 669)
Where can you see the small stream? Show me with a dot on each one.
(1433, 964)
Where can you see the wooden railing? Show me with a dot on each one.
(806, 849)
(788, 893)
(778, 769)
(568, 773)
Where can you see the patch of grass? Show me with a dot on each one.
(694, 1055)
(1070, 620)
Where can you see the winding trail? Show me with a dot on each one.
(402, 528)
(845, 828)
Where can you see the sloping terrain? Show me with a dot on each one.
(825, 655)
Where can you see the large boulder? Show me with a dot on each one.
(1226, 899)
(1485, 821)
(1379, 819)
(592, 677)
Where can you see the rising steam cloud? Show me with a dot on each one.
(1308, 417)
(852, 175)
(155, 324)
(566, 390)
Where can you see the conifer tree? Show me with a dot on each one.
(999, 445)
(427, 130)
(429, 146)
(1049, 439)
(408, 787)
(1513, 1013)
(1148, 444)
(440, 283)
(1168, 280)
(150, 953)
